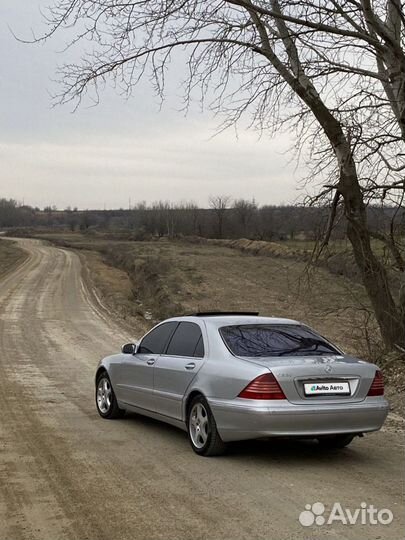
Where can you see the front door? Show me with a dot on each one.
(135, 380)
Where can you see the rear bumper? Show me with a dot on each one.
(241, 419)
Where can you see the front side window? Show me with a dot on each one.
(186, 341)
(156, 341)
(261, 340)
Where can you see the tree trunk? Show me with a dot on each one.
(374, 275)
(402, 303)
(220, 225)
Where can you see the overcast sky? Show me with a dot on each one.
(102, 156)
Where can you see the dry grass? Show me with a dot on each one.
(10, 256)
(337, 257)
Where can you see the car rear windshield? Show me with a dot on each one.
(261, 340)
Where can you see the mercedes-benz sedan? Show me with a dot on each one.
(226, 377)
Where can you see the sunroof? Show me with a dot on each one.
(224, 313)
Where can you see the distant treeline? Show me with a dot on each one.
(225, 218)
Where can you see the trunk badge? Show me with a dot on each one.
(328, 369)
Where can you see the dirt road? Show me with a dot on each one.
(67, 474)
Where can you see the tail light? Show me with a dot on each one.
(377, 386)
(263, 387)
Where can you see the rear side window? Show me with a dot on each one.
(186, 341)
(199, 350)
(261, 340)
(156, 341)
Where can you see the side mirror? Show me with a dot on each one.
(128, 348)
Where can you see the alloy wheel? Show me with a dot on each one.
(198, 425)
(104, 395)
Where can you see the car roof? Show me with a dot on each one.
(221, 319)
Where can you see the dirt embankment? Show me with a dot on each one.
(11, 256)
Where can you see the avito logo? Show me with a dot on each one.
(314, 514)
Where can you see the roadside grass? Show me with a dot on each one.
(339, 245)
(337, 256)
(10, 256)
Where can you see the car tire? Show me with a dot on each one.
(202, 429)
(106, 402)
(336, 441)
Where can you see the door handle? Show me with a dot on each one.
(150, 362)
(191, 365)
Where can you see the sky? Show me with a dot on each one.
(120, 151)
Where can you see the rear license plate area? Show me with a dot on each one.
(326, 388)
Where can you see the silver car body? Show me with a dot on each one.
(162, 386)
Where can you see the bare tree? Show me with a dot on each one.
(193, 215)
(334, 70)
(245, 211)
(219, 205)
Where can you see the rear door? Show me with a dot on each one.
(135, 384)
(175, 369)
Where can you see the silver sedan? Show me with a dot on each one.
(227, 377)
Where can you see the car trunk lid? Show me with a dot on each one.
(329, 378)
